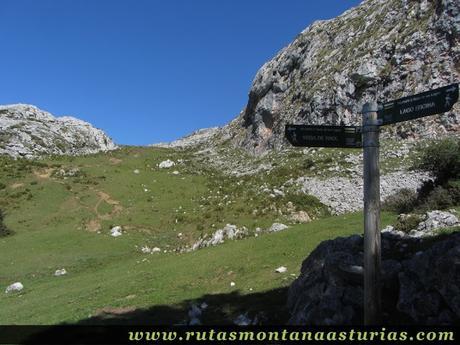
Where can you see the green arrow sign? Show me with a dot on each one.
(423, 104)
(324, 136)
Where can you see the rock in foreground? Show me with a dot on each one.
(421, 282)
(27, 131)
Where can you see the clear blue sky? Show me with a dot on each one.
(145, 71)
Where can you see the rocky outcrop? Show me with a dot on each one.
(26, 131)
(421, 280)
(382, 49)
(344, 195)
(228, 232)
(429, 224)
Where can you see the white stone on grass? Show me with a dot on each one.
(166, 164)
(277, 227)
(115, 231)
(15, 287)
(281, 269)
(60, 272)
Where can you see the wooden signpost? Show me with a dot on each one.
(423, 104)
(324, 136)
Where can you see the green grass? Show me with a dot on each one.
(104, 271)
(64, 221)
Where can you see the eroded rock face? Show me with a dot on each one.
(421, 282)
(26, 131)
(382, 49)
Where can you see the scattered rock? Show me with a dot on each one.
(435, 220)
(299, 217)
(203, 305)
(242, 320)
(166, 164)
(230, 232)
(194, 312)
(277, 227)
(281, 269)
(15, 287)
(116, 231)
(136, 171)
(344, 195)
(431, 222)
(60, 272)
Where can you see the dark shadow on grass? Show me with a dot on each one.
(268, 306)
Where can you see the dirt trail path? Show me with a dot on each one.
(43, 174)
(95, 224)
(116, 207)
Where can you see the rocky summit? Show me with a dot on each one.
(380, 50)
(26, 131)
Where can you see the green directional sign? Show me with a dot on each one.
(324, 136)
(423, 104)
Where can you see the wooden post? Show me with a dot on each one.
(372, 247)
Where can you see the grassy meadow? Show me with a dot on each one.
(61, 210)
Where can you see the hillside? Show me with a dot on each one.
(27, 131)
(62, 210)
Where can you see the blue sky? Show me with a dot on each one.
(145, 71)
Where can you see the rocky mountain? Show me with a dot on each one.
(381, 49)
(26, 131)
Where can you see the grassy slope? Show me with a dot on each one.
(56, 219)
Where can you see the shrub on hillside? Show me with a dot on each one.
(442, 158)
(407, 222)
(4, 231)
(438, 199)
(403, 201)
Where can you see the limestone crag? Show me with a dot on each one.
(26, 131)
(344, 195)
(381, 49)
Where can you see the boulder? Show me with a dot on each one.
(116, 231)
(15, 287)
(299, 217)
(60, 272)
(229, 231)
(421, 282)
(281, 269)
(277, 227)
(166, 164)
